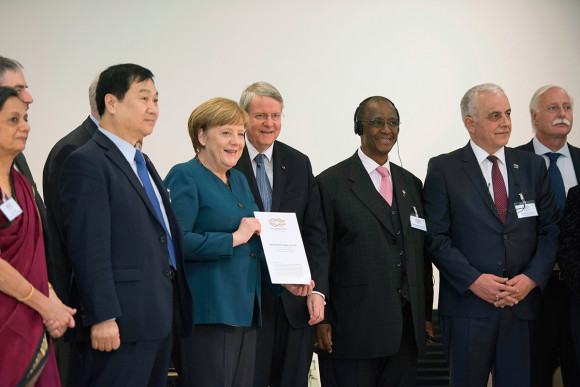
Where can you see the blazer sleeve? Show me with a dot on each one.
(87, 215)
(569, 253)
(428, 269)
(449, 260)
(186, 202)
(314, 235)
(540, 266)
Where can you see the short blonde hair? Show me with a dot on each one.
(215, 112)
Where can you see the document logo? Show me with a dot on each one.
(277, 222)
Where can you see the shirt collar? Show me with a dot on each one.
(481, 155)
(94, 120)
(370, 164)
(541, 149)
(126, 149)
(253, 152)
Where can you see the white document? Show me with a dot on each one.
(283, 247)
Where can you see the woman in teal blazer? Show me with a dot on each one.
(215, 208)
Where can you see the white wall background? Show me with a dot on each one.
(324, 57)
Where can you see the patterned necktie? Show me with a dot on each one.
(386, 190)
(556, 179)
(144, 176)
(263, 182)
(499, 191)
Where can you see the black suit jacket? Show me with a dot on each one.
(118, 246)
(365, 306)
(574, 152)
(466, 237)
(22, 165)
(569, 251)
(295, 190)
(51, 174)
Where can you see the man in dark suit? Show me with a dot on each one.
(66, 355)
(11, 76)
(124, 240)
(381, 290)
(285, 341)
(492, 230)
(552, 344)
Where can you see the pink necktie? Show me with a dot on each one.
(386, 190)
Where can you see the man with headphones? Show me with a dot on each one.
(381, 291)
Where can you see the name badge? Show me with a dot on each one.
(10, 209)
(526, 209)
(418, 223)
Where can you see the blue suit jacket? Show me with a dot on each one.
(466, 237)
(118, 246)
(225, 280)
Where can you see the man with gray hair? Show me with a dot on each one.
(67, 357)
(281, 180)
(492, 231)
(552, 338)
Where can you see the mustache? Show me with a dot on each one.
(561, 121)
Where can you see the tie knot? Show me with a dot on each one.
(383, 171)
(259, 158)
(492, 158)
(139, 159)
(553, 156)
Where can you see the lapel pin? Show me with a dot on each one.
(283, 167)
(404, 193)
(516, 166)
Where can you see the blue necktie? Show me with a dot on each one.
(263, 182)
(144, 176)
(556, 179)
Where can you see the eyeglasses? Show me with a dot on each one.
(379, 124)
(263, 116)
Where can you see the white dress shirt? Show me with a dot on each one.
(371, 168)
(564, 162)
(486, 165)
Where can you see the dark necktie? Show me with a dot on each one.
(556, 179)
(144, 176)
(499, 191)
(263, 182)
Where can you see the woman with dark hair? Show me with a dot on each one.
(27, 306)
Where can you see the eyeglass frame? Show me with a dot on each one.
(276, 117)
(392, 124)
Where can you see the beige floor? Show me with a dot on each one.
(557, 381)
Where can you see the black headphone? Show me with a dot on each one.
(358, 126)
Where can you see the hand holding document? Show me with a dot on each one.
(283, 248)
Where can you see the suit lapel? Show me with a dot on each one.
(514, 183)
(402, 192)
(114, 154)
(280, 173)
(365, 191)
(575, 153)
(244, 165)
(162, 191)
(473, 171)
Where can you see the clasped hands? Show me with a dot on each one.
(58, 317)
(500, 291)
